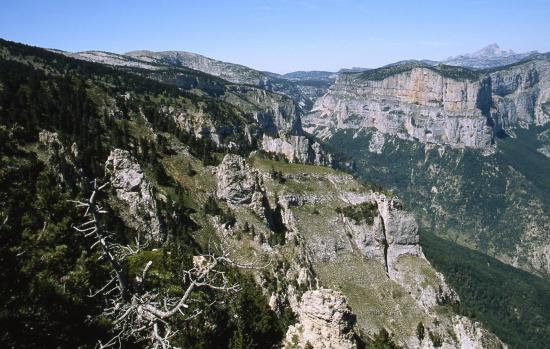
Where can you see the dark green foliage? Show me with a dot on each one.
(160, 174)
(277, 175)
(190, 171)
(452, 72)
(47, 269)
(277, 226)
(212, 208)
(436, 339)
(420, 331)
(382, 340)
(360, 213)
(308, 346)
(510, 302)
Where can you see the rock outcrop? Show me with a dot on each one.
(325, 321)
(240, 185)
(297, 149)
(392, 233)
(138, 205)
(63, 161)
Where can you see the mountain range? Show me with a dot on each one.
(403, 206)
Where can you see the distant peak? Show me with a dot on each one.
(492, 50)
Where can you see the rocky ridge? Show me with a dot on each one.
(386, 247)
(266, 103)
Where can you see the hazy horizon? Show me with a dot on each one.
(284, 36)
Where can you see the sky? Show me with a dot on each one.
(283, 35)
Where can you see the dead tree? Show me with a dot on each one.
(137, 313)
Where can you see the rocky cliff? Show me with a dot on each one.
(443, 105)
(521, 94)
(342, 246)
(416, 104)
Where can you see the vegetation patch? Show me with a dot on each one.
(447, 71)
(361, 213)
(510, 302)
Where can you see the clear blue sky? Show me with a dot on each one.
(283, 35)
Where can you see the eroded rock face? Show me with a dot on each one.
(423, 104)
(237, 182)
(520, 94)
(139, 208)
(325, 321)
(392, 233)
(297, 149)
(417, 104)
(471, 335)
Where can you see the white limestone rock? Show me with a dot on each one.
(325, 321)
(135, 193)
(237, 182)
(416, 104)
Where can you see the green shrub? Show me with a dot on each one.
(361, 213)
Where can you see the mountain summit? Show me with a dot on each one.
(488, 57)
(492, 50)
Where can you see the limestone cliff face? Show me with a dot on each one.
(392, 233)
(416, 104)
(138, 205)
(437, 105)
(521, 94)
(275, 114)
(279, 119)
(325, 321)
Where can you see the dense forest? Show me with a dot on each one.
(510, 302)
(48, 268)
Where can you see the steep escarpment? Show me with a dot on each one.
(520, 94)
(436, 104)
(469, 195)
(416, 104)
(279, 119)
